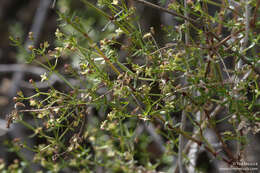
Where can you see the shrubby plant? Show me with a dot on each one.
(197, 72)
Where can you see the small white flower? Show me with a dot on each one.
(147, 35)
(58, 34)
(56, 110)
(104, 123)
(59, 49)
(44, 77)
(119, 31)
(145, 118)
(110, 153)
(33, 102)
(115, 2)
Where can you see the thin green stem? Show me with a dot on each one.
(91, 43)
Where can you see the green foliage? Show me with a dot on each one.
(149, 91)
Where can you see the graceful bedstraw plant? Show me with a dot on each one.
(152, 85)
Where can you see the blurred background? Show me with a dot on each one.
(17, 19)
